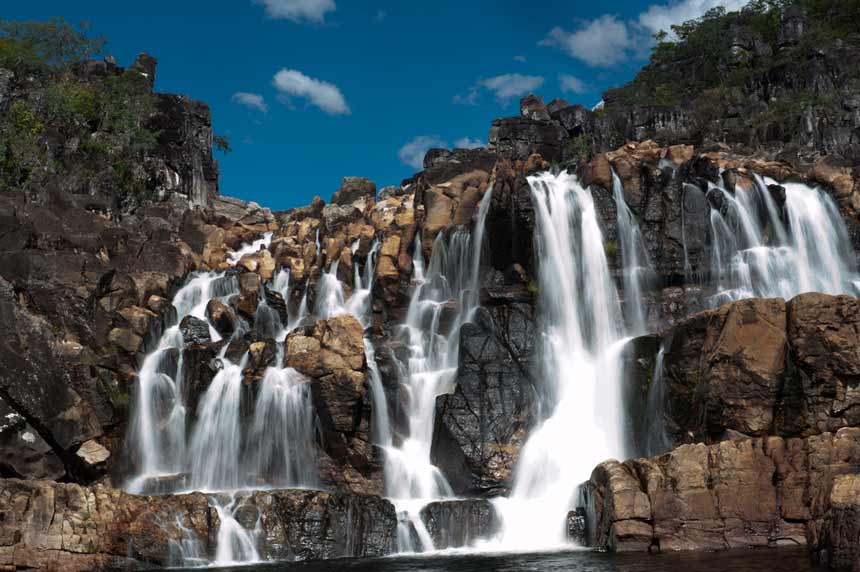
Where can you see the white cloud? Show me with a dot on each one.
(468, 143)
(252, 100)
(571, 84)
(504, 87)
(412, 153)
(298, 10)
(608, 41)
(663, 16)
(325, 95)
(599, 43)
(521, 59)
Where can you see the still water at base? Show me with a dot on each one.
(772, 560)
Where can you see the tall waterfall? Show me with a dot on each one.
(757, 252)
(443, 299)
(582, 341)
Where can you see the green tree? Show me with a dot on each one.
(34, 47)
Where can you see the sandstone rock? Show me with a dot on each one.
(840, 546)
(516, 138)
(821, 391)
(353, 189)
(52, 526)
(532, 106)
(125, 339)
(93, 453)
(739, 493)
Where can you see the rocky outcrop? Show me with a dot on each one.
(761, 367)
(459, 523)
(732, 494)
(482, 424)
(331, 353)
(840, 542)
(52, 526)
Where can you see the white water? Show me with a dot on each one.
(581, 354)
(236, 545)
(636, 268)
(443, 299)
(756, 255)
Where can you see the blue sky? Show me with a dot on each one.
(309, 91)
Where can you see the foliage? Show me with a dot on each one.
(725, 61)
(97, 129)
(221, 143)
(44, 47)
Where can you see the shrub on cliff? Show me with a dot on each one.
(81, 131)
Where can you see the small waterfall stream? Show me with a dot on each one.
(636, 268)
(759, 253)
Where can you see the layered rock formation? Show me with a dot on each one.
(53, 526)
(735, 493)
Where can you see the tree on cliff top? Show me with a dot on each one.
(43, 47)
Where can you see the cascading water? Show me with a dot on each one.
(636, 268)
(443, 299)
(581, 355)
(222, 451)
(755, 254)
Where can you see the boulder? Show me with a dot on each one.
(482, 424)
(353, 189)
(221, 316)
(738, 493)
(840, 545)
(194, 330)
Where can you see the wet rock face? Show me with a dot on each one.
(821, 391)
(458, 523)
(840, 542)
(481, 426)
(194, 330)
(744, 493)
(52, 526)
(760, 367)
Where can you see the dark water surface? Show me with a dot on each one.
(763, 559)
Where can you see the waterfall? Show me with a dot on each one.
(581, 356)
(756, 254)
(236, 545)
(215, 448)
(636, 268)
(157, 431)
(656, 440)
(443, 298)
(187, 550)
(283, 430)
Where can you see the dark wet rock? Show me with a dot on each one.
(517, 138)
(194, 330)
(458, 523)
(481, 426)
(221, 316)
